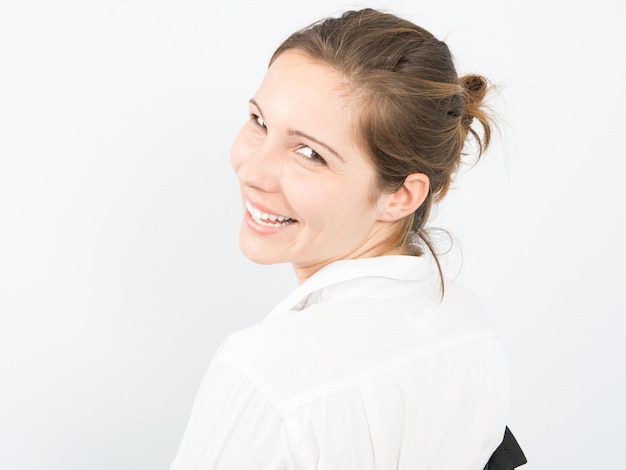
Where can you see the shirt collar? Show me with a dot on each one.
(392, 267)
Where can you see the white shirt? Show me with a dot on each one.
(362, 367)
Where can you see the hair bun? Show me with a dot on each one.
(475, 86)
(475, 89)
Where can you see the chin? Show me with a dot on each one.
(259, 260)
(257, 254)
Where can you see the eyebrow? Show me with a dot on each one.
(302, 134)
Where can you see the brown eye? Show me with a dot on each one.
(310, 154)
(258, 120)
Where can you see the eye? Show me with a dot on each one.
(258, 120)
(311, 154)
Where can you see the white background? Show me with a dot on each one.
(119, 266)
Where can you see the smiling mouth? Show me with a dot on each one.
(269, 220)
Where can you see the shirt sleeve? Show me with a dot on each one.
(233, 426)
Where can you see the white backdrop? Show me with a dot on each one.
(119, 266)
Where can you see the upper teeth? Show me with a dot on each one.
(262, 217)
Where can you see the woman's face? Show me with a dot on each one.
(308, 191)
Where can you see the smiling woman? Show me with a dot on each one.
(355, 131)
(297, 159)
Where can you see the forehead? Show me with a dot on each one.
(298, 64)
(299, 79)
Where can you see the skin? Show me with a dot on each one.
(297, 158)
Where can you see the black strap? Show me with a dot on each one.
(508, 455)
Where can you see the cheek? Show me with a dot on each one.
(325, 204)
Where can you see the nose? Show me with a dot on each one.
(257, 163)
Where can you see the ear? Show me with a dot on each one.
(406, 199)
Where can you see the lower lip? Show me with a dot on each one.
(263, 229)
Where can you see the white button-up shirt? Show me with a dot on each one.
(362, 367)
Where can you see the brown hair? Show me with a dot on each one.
(417, 113)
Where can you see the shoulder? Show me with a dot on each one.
(462, 306)
(310, 352)
(277, 357)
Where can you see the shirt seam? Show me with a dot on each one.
(292, 431)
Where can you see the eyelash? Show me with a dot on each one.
(311, 154)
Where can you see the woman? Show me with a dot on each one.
(355, 131)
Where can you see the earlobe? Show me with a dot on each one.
(406, 199)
